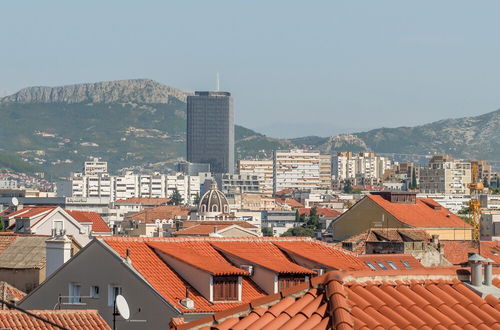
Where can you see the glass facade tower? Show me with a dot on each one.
(210, 130)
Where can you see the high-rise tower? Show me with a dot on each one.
(210, 130)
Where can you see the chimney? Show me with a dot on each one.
(215, 229)
(435, 240)
(57, 252)
(187, 302)
(127, 257)
(476, 269)
(488, 272)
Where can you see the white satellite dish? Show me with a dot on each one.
(122, 307)
(14, 201)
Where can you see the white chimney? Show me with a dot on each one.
(476, 269)
(57, 252)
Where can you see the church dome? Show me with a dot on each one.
(213, 201)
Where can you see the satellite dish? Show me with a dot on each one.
(14, 201)
(122, 307)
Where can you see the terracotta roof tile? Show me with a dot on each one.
(421, 214)
(265, 254)
(160, 212)
(386, 260)
(321, 211)
(30, 211)
(328, 255)
(71, 319)
(191, 223)
(98, 223)
(383, 304)
(206, 229)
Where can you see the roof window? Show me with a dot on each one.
(381, 265)
(406, 264)
(369, 264)
(392, 265)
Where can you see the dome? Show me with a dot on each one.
(213, 201)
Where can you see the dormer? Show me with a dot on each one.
(216, 280)
(272, 275)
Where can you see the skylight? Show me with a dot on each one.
(406, 264)
(392, 265)
(369, 264)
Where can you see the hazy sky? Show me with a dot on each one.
(295, 68)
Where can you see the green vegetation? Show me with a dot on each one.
(267, 231)
(495, 191)
(176, 198)
(17, 165)
(413, 184)
(310, 225)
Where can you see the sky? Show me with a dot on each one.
(295, 68)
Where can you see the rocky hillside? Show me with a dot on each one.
(120, 91)
(140, 124)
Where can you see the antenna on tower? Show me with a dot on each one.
(218, 82)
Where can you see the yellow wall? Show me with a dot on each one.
(364, 215)
(367, 214)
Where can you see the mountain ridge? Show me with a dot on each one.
(139, 124)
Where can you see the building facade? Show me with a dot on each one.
(263, 168)
(296, 169)
(364, 165)
(445, 175)
(210, 130)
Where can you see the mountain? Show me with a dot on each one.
(140, 125)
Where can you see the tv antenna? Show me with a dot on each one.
(217, 82)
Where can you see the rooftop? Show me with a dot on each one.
(144, 201)
(149, 257)
(346, 300)
(321, 211)
(206, 229)
(425, 213)
(70, 319)
(98, 223)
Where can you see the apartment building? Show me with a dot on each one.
(95, 166)
(130, 185)
(325, 171)
(263, 168)
(296, 169)
(483, 170)
(239, 183)
(445, 175)
(364, 165)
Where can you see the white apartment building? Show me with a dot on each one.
(130, 185)
(296, 169)
(95, 166)
(263, 168)
(325, 171)
(364, 165)
(445, 175)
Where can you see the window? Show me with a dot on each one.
(406, 264)
(286, 281)
(58, 227)
(369, 264)
(113, 291)
(94, 291)
(392, 265)
(225, 288)
(74, 293)
(381, 265)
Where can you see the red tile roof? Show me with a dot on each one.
(10, 293)
(328, 255)
(457, 252)
(196, 254)
(343, 301)
(165, 280)
(144, 201)
(98, 223)
(30, 211)
(421, 214)
(265, 254)
(290, 202)
(376, 260)
(70, 319)
(323, 211)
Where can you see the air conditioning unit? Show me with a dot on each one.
(248, 268)
(319, 271)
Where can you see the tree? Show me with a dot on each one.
(267, 231)
(298, 231)
(176, 198)
(196, 199)
(297, 216)
(486, 184)
(413, 184)
(347, 186)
